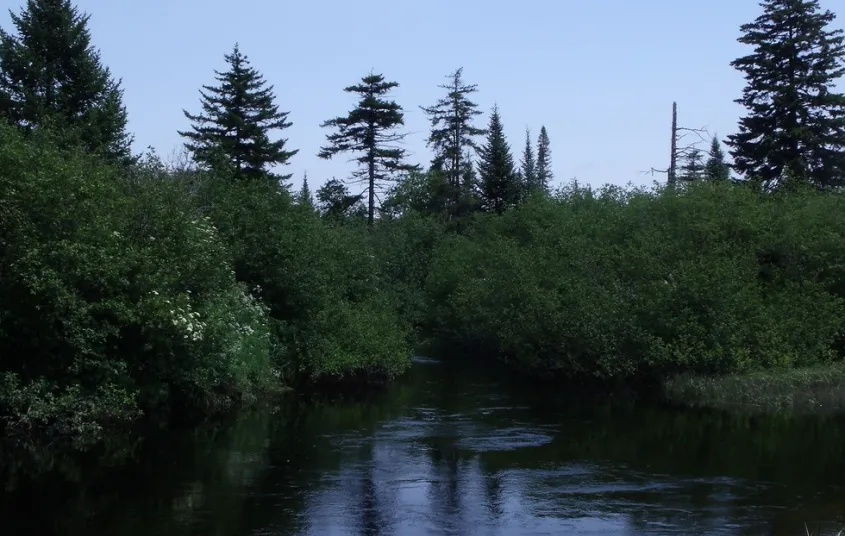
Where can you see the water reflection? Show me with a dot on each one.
(454, 451)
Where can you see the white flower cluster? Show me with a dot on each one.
(189, 321)
(209, 230)
(254, 307)
(185, 318)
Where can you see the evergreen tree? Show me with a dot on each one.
(499, 186)
(304, 197)
(452, 132)
(795, 122)
(50, 73)
(470, 200)
(236, 119)
(369, 129)
(716, 169)
(528, 171)
(693, 166)
(335, 202)
(544, 161)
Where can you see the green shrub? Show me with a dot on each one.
(711, 279)
(322, 285)
(115, 289)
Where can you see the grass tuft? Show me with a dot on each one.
(804, 390)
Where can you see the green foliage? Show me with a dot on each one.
(712, 279)
(337, 205)
(716, 169)
(404, 250)
(544, 160)
(319, 281)
(137, 287)
(794, 130)
(38, 406)
(370, 130)
(452, 136)
(236, 121)
(499, 187)
(305, 197)
(113, 281)
(50, 73)
(693, 166)
(130, 291)
(419, 193)
(528, 166)
(809, 389)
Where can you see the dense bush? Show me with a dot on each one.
(131, 289)
(331, 310)
(710, 279)
(136, 289)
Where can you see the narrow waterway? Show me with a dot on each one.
(452, 450)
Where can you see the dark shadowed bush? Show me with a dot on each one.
(332, 313)
(622, 283)
(128, 290)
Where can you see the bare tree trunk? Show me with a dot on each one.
(372, 170)
(673, 155)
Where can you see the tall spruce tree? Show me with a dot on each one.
(370, 130)
(304, 197)
(693, 165)
(235, 123)
(544, 160)
(716, 169)
(795, 123)
(452, 133)
(528, 165)
(50, 73)
(470, 198)
(499, 186)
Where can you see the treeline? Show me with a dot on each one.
(131, 285)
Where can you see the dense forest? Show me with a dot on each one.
(132, 286)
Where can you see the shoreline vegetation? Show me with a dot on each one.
(817, 389)
(133, 287)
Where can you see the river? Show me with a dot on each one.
(453, 449)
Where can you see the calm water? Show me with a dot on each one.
(448, 450)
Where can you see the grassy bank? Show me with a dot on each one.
(813, 389)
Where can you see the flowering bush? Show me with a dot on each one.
(116, 291)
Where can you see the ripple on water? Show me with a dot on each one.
(505, 439)
(425, 360)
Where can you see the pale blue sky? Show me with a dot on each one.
(601, 75)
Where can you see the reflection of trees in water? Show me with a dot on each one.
(173, 481)
(444, 492)
(373, 519)
(262, 471)
(493, 493)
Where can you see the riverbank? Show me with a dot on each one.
(803, 390)
(446, 447)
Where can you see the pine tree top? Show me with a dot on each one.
(452, 132)
(305, 197)
(50, 71)
(716, 169)
(369, 128)
(498, 181)
(237, 117)
(528, 164)
(544, 160)
(795, 125)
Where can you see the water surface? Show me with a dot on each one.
(453, 450)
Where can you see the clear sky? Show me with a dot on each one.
(601, 75)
